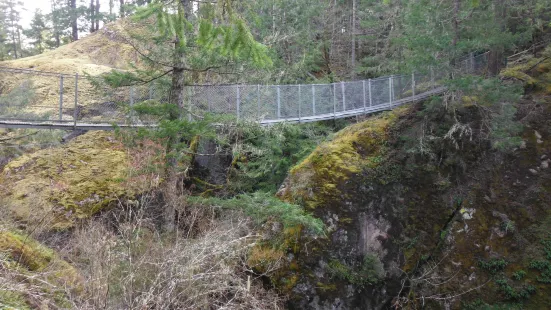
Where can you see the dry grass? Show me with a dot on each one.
(137, 266)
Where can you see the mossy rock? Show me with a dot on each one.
(35, 266)
(317, 179)
(67, 183)
(535, 73)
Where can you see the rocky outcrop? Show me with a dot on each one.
(56, 187)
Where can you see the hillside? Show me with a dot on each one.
(29, 95)
(94, 54)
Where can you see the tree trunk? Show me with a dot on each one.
(92, 16)
(122, 8)
(178, 73)
(353, 56)
(97, 14)
(456, 8)
(496, 52)
(74, 25)
(13, 36)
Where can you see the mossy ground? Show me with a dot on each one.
(64, 184)
(30, 269)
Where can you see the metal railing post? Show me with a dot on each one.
(238, 103)
(365, 97)
(131, 104)
(390, 92)
(278, 102)
(61, 98)
(209, 99)
(258, 100)
(75, 112)
(313, 100)
(432, 77)
(189, 95)
(413, 84)
(370, 94)
(334, 100)
(343, 97)
(299, 102)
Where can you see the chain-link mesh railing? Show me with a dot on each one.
(43, 97)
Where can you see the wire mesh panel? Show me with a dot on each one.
(354, 95)
(222, 99)
(402, 86)
(422, 82)
(268, 102)
(289, 99)
(200, 100)
(380, 92)
(304, 101)
(323, 99)
(249, 107)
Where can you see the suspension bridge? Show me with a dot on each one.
(50, 100)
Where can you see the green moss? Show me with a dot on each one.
(40, 266)
(70, 182)
(370, 272)
(355, 148)
(12, 301)
(534, 74)
(25, 252)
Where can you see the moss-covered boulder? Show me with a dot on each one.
(64, 184)
(318, 178)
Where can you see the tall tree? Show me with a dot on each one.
(98, 16)
(73, 13)
(92, 16)
(37, 32)
(11, 13)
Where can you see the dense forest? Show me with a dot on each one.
(442, 203)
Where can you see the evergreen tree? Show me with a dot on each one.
(37, 32)
(11, 13)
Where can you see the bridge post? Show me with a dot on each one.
(131, 93)
(370, 94)
(413, 84)
(365, 96)
(432, 77)
(75, 112)
(61, 98)
(189, 96)
(238, 107)
(278, 102)
(390, 92)
(299, 102)
(343, 97)
(258, 100)
(334, 100)
(313, 100)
